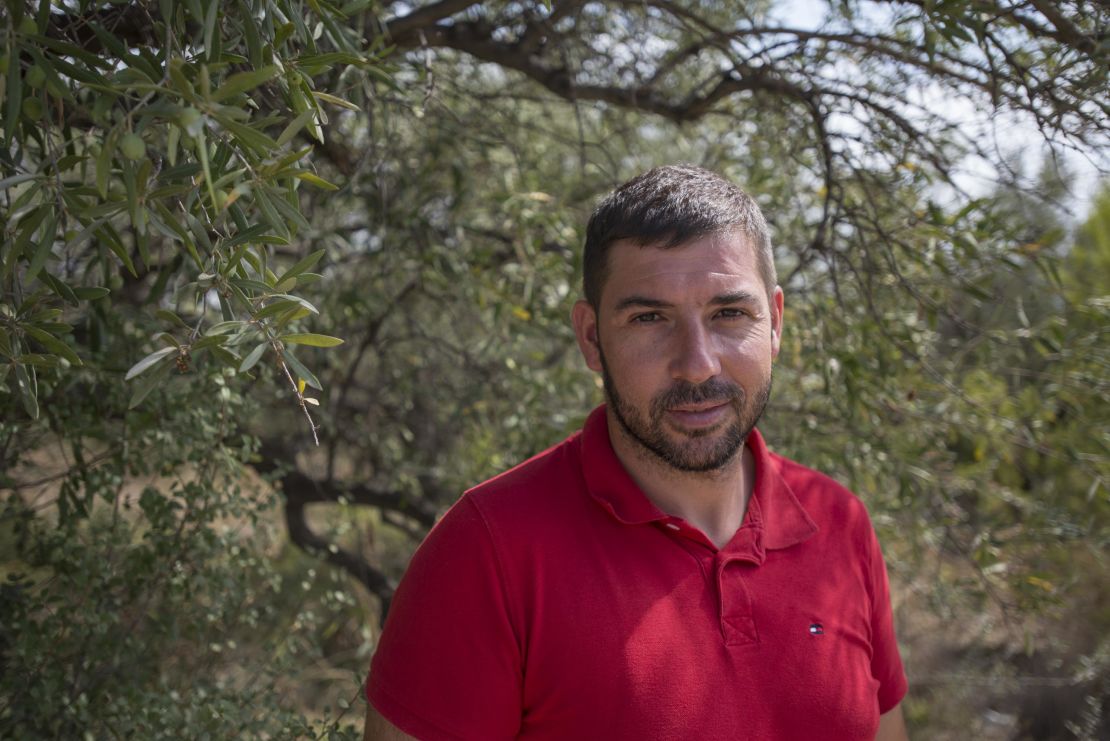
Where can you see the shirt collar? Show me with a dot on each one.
(775, 518)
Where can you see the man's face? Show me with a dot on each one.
(684, 339)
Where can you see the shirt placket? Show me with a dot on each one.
(725, 571)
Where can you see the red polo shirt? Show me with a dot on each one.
(555, 601)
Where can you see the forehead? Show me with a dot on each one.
(693, 271)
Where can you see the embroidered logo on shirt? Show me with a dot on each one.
(816, 629)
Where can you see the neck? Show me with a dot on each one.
(713, 501)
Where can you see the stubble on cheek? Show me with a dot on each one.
(694, 450)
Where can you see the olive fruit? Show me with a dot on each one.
(191, 121)
(189, 116)
(132, 146)
(32, 108)
(36, 76)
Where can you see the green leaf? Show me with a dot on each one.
(268, 211)
(14, 91)
(306, 278)
(45, 246)
(148, 384)
(14, 180)
(200, 232)
(294, 126)
(168, 316)
(91, 293)
(290, 212)
(180, 82)
(53, 344)
(298, 370)
(250, 34)
(223, 328)
(335, 100)
(230, 177)
(117, 248)
(314, 340)
(27, 383)
(109, 40)
(61, 289)
(299, 300)
(202, 155)
(171, 221)
(243, 81)
(85, 234)
(316, 180)
(329, 59)
(291, 315)
(39, 360)
(248, 137)
(225, 356)
(302, 265)
(279, 165)
(245, 235)
(26, 197)
(283, 32)
(209, 341)
(27, 228)
(149, 361)
(248, 284)
(210, 28)
(71, 50)
(169, 339)
(274, 308)
(253, 357)
(225, 308)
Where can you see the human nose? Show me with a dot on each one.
(695, 356)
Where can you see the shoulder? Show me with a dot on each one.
(537, 482)
(531, 498)
(494, 525)
(826, 500)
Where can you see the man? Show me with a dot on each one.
(659, 575)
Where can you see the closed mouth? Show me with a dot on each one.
(695, 408)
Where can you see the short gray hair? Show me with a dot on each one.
(670, 206)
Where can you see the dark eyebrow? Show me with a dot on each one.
(642, 302)
(736, 297)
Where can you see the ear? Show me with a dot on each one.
(776, 321)
(584, 319)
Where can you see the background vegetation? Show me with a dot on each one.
(279, 279)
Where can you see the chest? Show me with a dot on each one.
(666, 639)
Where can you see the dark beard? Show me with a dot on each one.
(692, 458)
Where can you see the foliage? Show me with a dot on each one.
(192, 188)
(153, 155)
(134, 609)
(177, 155)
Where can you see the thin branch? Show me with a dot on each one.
(400, 29)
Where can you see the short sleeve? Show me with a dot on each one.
(448, 663)
(886, 662)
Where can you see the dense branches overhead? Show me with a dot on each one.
(859, 92)
(850, 119)
(893, 61)
(863, 59)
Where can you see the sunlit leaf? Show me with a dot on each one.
(315, 340)
(149, 361)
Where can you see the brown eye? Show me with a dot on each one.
(732, 313)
